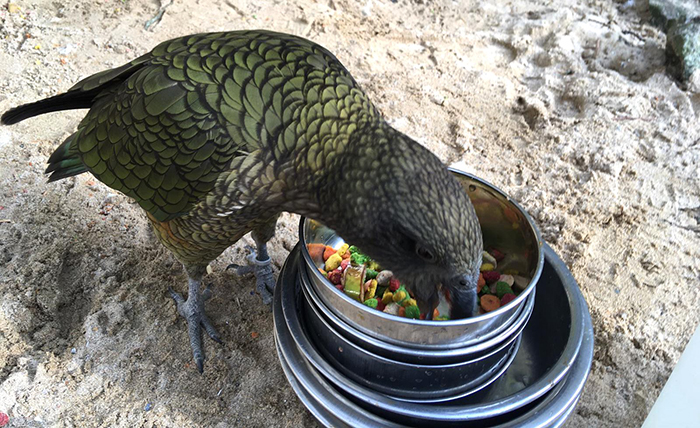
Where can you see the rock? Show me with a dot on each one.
(665, 12)
(683, 49)
(13, 8)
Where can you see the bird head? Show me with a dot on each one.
(400, 205)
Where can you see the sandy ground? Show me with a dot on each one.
(563, 104)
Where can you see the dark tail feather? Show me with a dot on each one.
(65, 162)
(68, 101)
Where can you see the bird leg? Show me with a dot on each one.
(259, 263)
(192, 310)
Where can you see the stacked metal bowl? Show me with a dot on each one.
(355, 366)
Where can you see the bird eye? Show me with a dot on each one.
(425, 254)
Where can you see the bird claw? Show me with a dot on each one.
(264, 277)
(192, 310)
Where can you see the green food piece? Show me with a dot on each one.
(372, 303)
(371, 274)
(353, 249)
(358, 258)
(353, 279)
(502, 288)
(485, 290)
(413, 312)
(442, 318)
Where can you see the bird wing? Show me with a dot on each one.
(164, 127)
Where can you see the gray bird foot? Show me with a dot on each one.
(265, 280)
(192, 310)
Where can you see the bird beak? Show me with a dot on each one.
(463, 296)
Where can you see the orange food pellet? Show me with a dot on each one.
(480, 284)
(402, 311)
(254, 335)
(316, 252)
(436, 313)
(490, 302)
(329, 251)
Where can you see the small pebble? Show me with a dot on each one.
(148, 407)
(12, 8)
(73, 350)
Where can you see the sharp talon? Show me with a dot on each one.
(200, 365)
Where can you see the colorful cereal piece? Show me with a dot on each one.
(507, 298)
(400, 295)
(402, 312)
(333, 262)
(380, 305)
(502, 288)
(371, 273)
(508, 279)
(335, 277)
(373, 265)
(442, 318)
(490, 302)
(487, 267)
(372, 303)
(340, 287)
(409, 302)
(343, 249)
(387, 297)
(497, 255)
(480, 284)
(487, 258)
(353, 279)
(329, 251)
(394, 284)
(316, 253)
(392, 309)
(344, 264)
(412, 312)
(384, 277)
(370, 288)
(491, 276)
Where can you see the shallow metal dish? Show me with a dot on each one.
(419, 383)
(504, 224)
(559, 327)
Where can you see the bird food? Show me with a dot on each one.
(361, 278)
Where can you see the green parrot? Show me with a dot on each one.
(215, 134)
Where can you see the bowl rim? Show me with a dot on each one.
(447, 323)
(493, 350)
(521, 319)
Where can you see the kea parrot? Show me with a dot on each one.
(215, 134)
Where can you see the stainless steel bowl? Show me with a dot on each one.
(539, 389)
(504, 225)
(414, 382)
(406, 354)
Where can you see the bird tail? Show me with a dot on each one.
(67, 101)
(65, 161)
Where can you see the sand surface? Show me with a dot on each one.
(563, 104)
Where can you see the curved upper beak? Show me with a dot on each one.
(463, 296)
